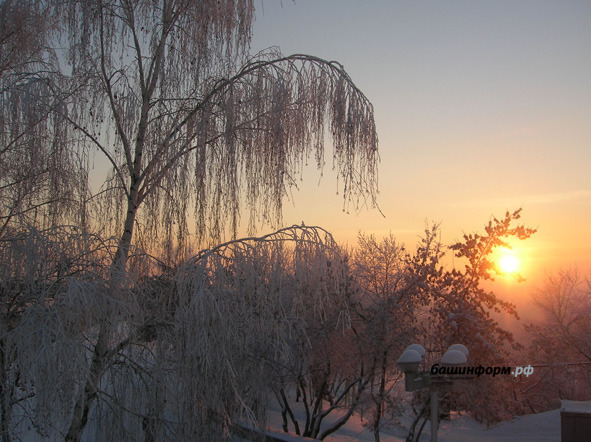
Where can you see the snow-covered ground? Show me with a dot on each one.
(535, 427)
(461, 428)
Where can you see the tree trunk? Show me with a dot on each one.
(84, 402)
(5, 396)
(381, 397)
(101, 348)
(120, 260)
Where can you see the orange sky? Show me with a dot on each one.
(481, 107)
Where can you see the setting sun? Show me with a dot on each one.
(508, 262)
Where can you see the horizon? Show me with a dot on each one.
(480, 109)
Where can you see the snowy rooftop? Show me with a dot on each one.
(576, 407)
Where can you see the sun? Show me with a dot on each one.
(508, 262)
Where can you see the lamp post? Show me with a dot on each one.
(409, 361)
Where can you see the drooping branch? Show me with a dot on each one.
(271, 116)
(232, 131)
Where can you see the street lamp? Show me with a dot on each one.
(409, 361)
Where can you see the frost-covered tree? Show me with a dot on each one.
(195, 352)
(52, 283)
(41, 178)
(416, 297)
(390, 299)
(223, 332)
(462, 312)
(326, 371)
(461, 301)
(42, 183)
(189, 122)
(285, 298)
(560, 341)
(565, 302)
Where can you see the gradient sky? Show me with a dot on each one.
(481, 107)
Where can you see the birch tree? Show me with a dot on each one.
(189, 122)
(565, 302)
(52, 288)
(42, 184)
(42, 181)
(325, 373)
(267, 302)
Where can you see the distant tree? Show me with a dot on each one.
(415, 297)
(561, 341)
(190, 122)
(565, 302)
(462, 313)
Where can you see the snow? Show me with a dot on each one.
(410, 357)
(460, 428)
(536, 427)
(418, 348)
(576, 407)
(453, 357)
(459, 347)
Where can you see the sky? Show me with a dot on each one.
(481, 107)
